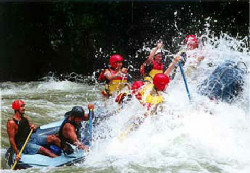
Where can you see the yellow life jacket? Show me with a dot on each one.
(116, 84)
(148, 79)
(148, 98)
(153, 72)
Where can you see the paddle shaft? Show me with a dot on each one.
(24, 145)
(125, 133)
(184, 78)
(90, 126)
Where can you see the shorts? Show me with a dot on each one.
(38, 139)
(31, 148)
(35, 143)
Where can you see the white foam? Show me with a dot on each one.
(202, 135)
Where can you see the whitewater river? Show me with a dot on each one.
(202, 136)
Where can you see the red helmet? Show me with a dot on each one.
(191, 38)
(17, 104)
(137, 85)
(160, 81)
(114, 59)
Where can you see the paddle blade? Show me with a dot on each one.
(126, 132)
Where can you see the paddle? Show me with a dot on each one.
(125, 133)
(184, 78)
(90, 126)
(24, 145)
(134, 125)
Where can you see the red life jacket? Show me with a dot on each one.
(157, 68)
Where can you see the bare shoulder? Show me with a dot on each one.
(11, 125)
(68, 130)
(10, 121)
(68, 127)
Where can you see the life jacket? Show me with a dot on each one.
(65, 143)
(115, 84)
(23, 131)
(157, 68)
(147, 98)
(224, 84)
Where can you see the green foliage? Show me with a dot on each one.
(66, 36)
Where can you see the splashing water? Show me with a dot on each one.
(202, 136)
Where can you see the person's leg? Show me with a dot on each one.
(32, 148)
(46, 152)
(53, 139)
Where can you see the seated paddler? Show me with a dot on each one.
(19, 127)
(70, 133)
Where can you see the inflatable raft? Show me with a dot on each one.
(38, 160)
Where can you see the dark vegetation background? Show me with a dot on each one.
(64, 37)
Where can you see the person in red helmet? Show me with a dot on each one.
(116, 76)
(150, 97)
(191, 42)
(160, 81)
(154, 62)
(147, 92)
(18, 129)
(150, 94)
(191, 55)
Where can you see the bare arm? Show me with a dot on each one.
(152, 54)
(109, 76)
(171, 66)
(121, 73)
(69, 132)
(11, 130)
(86, 116)
(90, 107)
